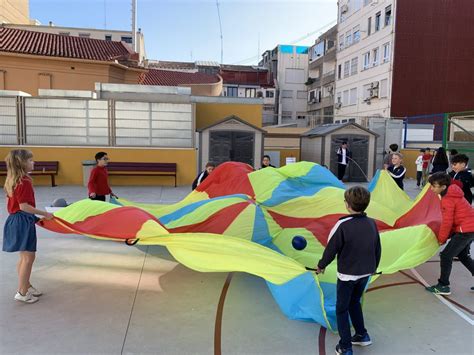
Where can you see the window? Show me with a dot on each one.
(338, 98)
(232, 91)
(386, 52)
(311, 96)
(375, 57)
(64, 33)
(84, 35)
(108, 37)
(339, 71)
(369, 26)
(295, 76)
(356, 34)
(366, 60)
(377, 21)
(347, 68)
(301, 94)
(126, 39)
(353, 96)
(301, 115)
(354, 64)
(318, 95)
(348, 38)
(286, 115)
(351, 120)
(287, 94)
(345, 97)
(388, 15)
(269, 93)
(384, 88)
(341, 42)
(250, 92)
(318, 50)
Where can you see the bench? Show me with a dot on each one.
(41, 168)
(142, 169)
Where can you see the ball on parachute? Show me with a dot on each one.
(299, 242)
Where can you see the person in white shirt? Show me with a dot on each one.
(343, 155)
(419, 167)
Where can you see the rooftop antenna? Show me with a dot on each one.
(220, 26)
(134, 24)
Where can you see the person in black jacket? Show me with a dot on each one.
(203, 174)
(397, 171)
(462, 176)
(440, 161)
(343, 155)
(266, 162)
(356, 242)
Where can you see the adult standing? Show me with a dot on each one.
(343, 155)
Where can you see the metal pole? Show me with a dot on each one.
(134, 24)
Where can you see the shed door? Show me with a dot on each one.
(231, 146)
(359, 146)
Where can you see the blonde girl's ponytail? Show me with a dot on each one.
(16, 162)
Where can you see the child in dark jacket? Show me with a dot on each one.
(458, 219)
(203, 175)
(356, 242)
(462, 176)
(397, 170)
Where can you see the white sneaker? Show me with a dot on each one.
(34, 291)
(28, 298)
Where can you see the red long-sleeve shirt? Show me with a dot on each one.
(23, 193)
(99, 181)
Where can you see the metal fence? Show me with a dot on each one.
(92, 122)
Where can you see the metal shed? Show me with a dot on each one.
(320, 144)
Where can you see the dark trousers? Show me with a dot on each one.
(459, 246)
(98, 198)
(348, 304)
(419, 174)
(341, 170)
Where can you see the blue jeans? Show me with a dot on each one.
(348, 304)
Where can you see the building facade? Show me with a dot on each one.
(14, 11)
(321, 80)
(288, 66)
(364, 65)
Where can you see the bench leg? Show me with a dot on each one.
(175, 185)
(53, 181)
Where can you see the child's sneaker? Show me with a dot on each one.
(339, 350)
(472, 289)
(28, 298)
(361, 340)
(34, 291)
(439, 290)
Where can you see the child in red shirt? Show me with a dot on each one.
(99, 179)
(457, 225)
(426, 165)
(19, 232)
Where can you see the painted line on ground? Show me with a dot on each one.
(444, 300)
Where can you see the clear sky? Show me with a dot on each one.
(188, 30)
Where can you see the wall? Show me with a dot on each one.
(311, 149)
(209, 113)
(434, 57)
(14, 11)
(70, 167)
(211, 89)
(22, 73)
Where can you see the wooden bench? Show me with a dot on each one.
(143, 169)
(41, 168)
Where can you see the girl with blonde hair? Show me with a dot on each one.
(19, 232)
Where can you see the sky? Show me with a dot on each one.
(188, 30)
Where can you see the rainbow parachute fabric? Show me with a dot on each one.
(244, 220)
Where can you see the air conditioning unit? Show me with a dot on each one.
(344, 9)
(330, 89)
(338, 105)
(374, 85)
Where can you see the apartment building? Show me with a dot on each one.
(321, 80)
(288, 66)
(403, 58)
(364, 60)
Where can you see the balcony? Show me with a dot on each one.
(329, 77)
(315, 84)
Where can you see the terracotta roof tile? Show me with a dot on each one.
(175, 78)
(48, 44)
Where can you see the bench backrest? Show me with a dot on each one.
(46, 166)
(125, 166)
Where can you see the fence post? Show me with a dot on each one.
(405, 134)
(445, 130)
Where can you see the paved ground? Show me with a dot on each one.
(106, 298)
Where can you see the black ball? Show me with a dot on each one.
(299, 243)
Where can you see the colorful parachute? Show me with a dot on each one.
(244, 220)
